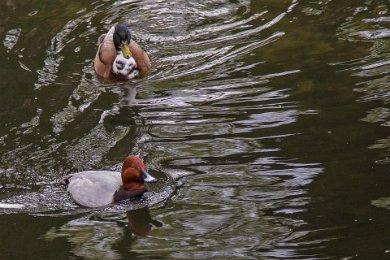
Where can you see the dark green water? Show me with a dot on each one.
(266, 121)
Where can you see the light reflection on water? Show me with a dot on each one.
(244, 118)
(373, 68)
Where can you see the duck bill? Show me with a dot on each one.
(125, 49)
(147, 177)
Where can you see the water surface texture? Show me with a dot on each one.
(267, 123)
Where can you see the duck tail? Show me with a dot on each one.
(65, 180)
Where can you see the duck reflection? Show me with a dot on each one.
(140, 222)
(128, 94)
(97, 235)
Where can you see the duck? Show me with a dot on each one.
(119, 56)
(101, 188)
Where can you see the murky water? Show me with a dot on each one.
(266, 121)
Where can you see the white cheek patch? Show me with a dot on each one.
(126, 68)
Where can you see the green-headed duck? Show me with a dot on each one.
(119, 56)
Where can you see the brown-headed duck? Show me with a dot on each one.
(101, 188)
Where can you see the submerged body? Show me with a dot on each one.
(101, 188)
(108, 62)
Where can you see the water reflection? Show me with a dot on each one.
(97, 235)
(369, 24)
(217, 106)
(140, 222)
(274, 111)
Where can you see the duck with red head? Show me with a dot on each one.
(134, 176)
(101, 188)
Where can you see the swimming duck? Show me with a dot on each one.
(119, 56)
(101, 188)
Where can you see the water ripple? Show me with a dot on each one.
(373, 68)
(209, 111)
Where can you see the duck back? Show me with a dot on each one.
(94, 188)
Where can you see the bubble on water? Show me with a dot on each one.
(32, 13)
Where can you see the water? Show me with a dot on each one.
(266, 121)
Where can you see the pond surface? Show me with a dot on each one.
(267, 123)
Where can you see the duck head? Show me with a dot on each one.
(122, 38)
(134, 174)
